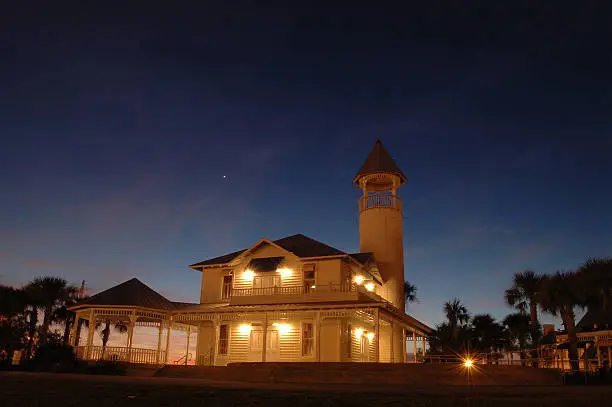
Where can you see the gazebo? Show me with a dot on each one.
(131, 304)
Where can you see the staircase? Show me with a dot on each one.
(413, 375)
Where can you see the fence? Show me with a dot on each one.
(120, 354)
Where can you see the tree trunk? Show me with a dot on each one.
(77, 336)
(44, 329)
(31, 332)
(569, 322)
(533, 312)
(67, 325)
(105, 336)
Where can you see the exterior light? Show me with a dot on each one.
(284, 328)
(359, 279)
(285, 272)
(248, 275)
(313, 286)
(370, 336)
(244, 329)
(369, 286)
(358, 332)
(468, 363)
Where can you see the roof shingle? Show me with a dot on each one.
(379, 161)
(130, 293)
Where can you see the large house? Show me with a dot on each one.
(291, 299)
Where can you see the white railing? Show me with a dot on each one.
(120, 354)
(379, 201)
(295, 290)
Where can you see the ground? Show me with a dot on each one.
(45, 389)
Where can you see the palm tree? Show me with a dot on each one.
(598, 275)
(410, 291)
(518, 328)
(560, 295)
(523, 294)
(456, 314)
(47, 294)
(486, 333)
(119, 326)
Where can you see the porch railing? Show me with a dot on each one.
(295, 290)
(120, 354)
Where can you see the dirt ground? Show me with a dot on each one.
(65, 390)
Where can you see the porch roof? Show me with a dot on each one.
(132, 293)
(263, 264)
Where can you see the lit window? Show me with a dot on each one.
(307, 339)
(223, 339)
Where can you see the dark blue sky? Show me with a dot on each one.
(118, 125)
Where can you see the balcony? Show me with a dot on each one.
(378, 200)
(278, 295)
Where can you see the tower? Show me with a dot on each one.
(380, 219)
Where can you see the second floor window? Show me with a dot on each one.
(309, 277)
(223, 339)
(226, 291)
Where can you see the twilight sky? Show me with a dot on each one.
(136, 141)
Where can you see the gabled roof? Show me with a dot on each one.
(299, 245)
(379, 161)
(601, 318)
(132, 293)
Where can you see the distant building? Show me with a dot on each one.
(291, 299)
(594, 332)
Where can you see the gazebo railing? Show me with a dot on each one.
(120, 354)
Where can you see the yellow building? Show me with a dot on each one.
(292, 299)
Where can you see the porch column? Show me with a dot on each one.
(610, 355)
(90, 333)
(376, 335)
(598, 356)
(392, 335)
(318, 341)
(188, 340)
(159, 341)
(414, 346)
(404, 351)
(131, 335)
(168, 340)
(265, 338)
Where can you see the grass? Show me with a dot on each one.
(32, 389)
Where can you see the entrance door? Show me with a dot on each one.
(364, 349)
(273, 346)
(255, 345)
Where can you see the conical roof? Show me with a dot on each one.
(379, 161)
(130, 293)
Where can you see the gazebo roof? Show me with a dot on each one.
(379, 161)
(132, 293)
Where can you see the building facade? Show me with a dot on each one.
(293, 299)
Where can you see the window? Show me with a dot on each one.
(226, 291)
(223, 339)
(309, 277)
(307, 339)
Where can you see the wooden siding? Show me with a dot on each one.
(239, 343)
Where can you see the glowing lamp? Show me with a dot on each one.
(358, 332)
(285, 272)
(468, 363)
(359, 279)
(244, 329)
(369, 286)
(248, 275)
(370, 336)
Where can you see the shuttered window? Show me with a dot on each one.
(307, 339)
(223, 339)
